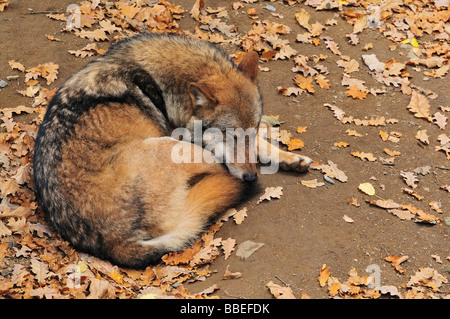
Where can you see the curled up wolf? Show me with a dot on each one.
(104, 166)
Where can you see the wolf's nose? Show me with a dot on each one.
(250, 177)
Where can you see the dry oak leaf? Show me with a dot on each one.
(271, 192)
(231, 275)
(409, 178)
(396, 261)
(349, 66)
(356, 93)
(302, 18)
(427, 277)
(341, 144)
(324, 274)
(420, 106)
(348, 219)
(228, 246)
(391, 153)
(280, 292)
(333, 46)
(295, 144)
(304, 83)
(364, 156)
(16, 65)
(440, 120)
(301, 129)
(97, 35)
(323, 83)
(436, 206)
(422, 136)
(353, 133)
(240, 216)
(354, 202)
(331, 170)
(373, 63)
(312, 183)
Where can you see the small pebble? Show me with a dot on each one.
(270, 8)
(3, 84)
(329, 180)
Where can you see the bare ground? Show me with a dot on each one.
(304, 229)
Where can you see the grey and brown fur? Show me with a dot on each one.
(102, 164)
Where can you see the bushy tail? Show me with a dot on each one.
(205, 201)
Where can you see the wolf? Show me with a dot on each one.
(103, 164)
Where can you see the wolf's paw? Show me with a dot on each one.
(294, 162)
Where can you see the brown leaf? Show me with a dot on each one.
(240, 216)
(396, 261)
(280, 292)
(304, 83)
(324, 274)
(271, 192)
(364, 156)
(228, 246)
(312, 183)
(410, 178)
(231, 275)
(420, 106)
(356, 93)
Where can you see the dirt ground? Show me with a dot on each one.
(304, 229)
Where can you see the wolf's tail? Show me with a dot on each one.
(205, 201)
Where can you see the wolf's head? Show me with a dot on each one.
(229, 107)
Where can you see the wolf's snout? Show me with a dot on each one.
(250, 177)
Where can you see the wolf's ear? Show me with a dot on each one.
(249, 65)
(201, 96)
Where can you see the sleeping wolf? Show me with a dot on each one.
(104, 170)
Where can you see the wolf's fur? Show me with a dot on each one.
(102, 164)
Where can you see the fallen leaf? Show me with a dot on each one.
(356, 93)
(247, 248)
(231, 275)
(364, 156)
(367, 188)
(228, 246)
(341, 144)
(16, 65)
(396, 261)
(304, 83)
(348, 219)
(240, 216)
(427, 277)
(280, 292)
(295, 144)
(409, 178)
(420, 106)
(312, 183)
(271, 192)
(373, 63)
(324, 274)
(440, 120)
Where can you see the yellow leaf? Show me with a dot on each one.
(324, 274)
(302, 129)
(367, 188)
(304, 83)
(362, 155)
(356, 93)
(295, 144)
(341, 144)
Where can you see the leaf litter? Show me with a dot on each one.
(55, 270)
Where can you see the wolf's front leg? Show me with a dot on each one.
(287, 161)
